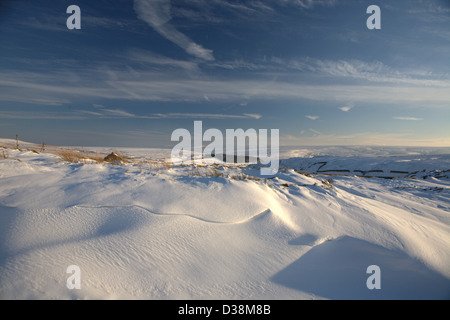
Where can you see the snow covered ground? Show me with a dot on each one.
(148, 230)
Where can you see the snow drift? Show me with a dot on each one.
(140, 231)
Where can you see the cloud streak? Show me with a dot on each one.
(347, 107)
(407, 118)
(206, 116)
(149, 58)
(109, 113)
(308, 4)
(375, 71)
(156, 13)
(162, 87)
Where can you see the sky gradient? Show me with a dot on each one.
(138, 70)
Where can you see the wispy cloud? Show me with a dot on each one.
(146, 76)
(206, 116)
(316, 132)
(103, 112)
(118, 113)
(312, 117)
(308, 4)
(407, 118)
(156, 13)
(99, 113)
(347, 107)
(159, 13)
(108, 113)
(150, 58)
(253, 115)
(350, 70)
(55, 89)
(374, 71)
(36, 115)
(223, 11)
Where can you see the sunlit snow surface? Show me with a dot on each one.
(149, 230)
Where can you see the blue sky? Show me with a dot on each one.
(137, 70)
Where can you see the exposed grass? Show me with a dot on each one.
(74, 156)
(327, 183)
(307, 174)
(213, 171)
(153, 165)
(216, 173)
(4, 155)
(123, 156)
(244, 176)
(167, 165)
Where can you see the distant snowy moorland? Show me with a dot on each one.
(143, 228)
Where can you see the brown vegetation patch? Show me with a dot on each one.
(74, 156)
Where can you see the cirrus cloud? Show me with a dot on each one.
(347, 107)
(408, 118)
(156, 13)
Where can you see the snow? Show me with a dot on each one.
(149, 230)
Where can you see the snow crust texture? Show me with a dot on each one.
(143, 231)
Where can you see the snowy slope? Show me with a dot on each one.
(143, 231)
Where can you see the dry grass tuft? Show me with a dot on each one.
(77, 157)
(124, 158)
(4, 155)
(244, 176)
(166, 164)
(327, 183)
(307, 174)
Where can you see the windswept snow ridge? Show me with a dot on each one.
(180, 214)
(150, 230)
